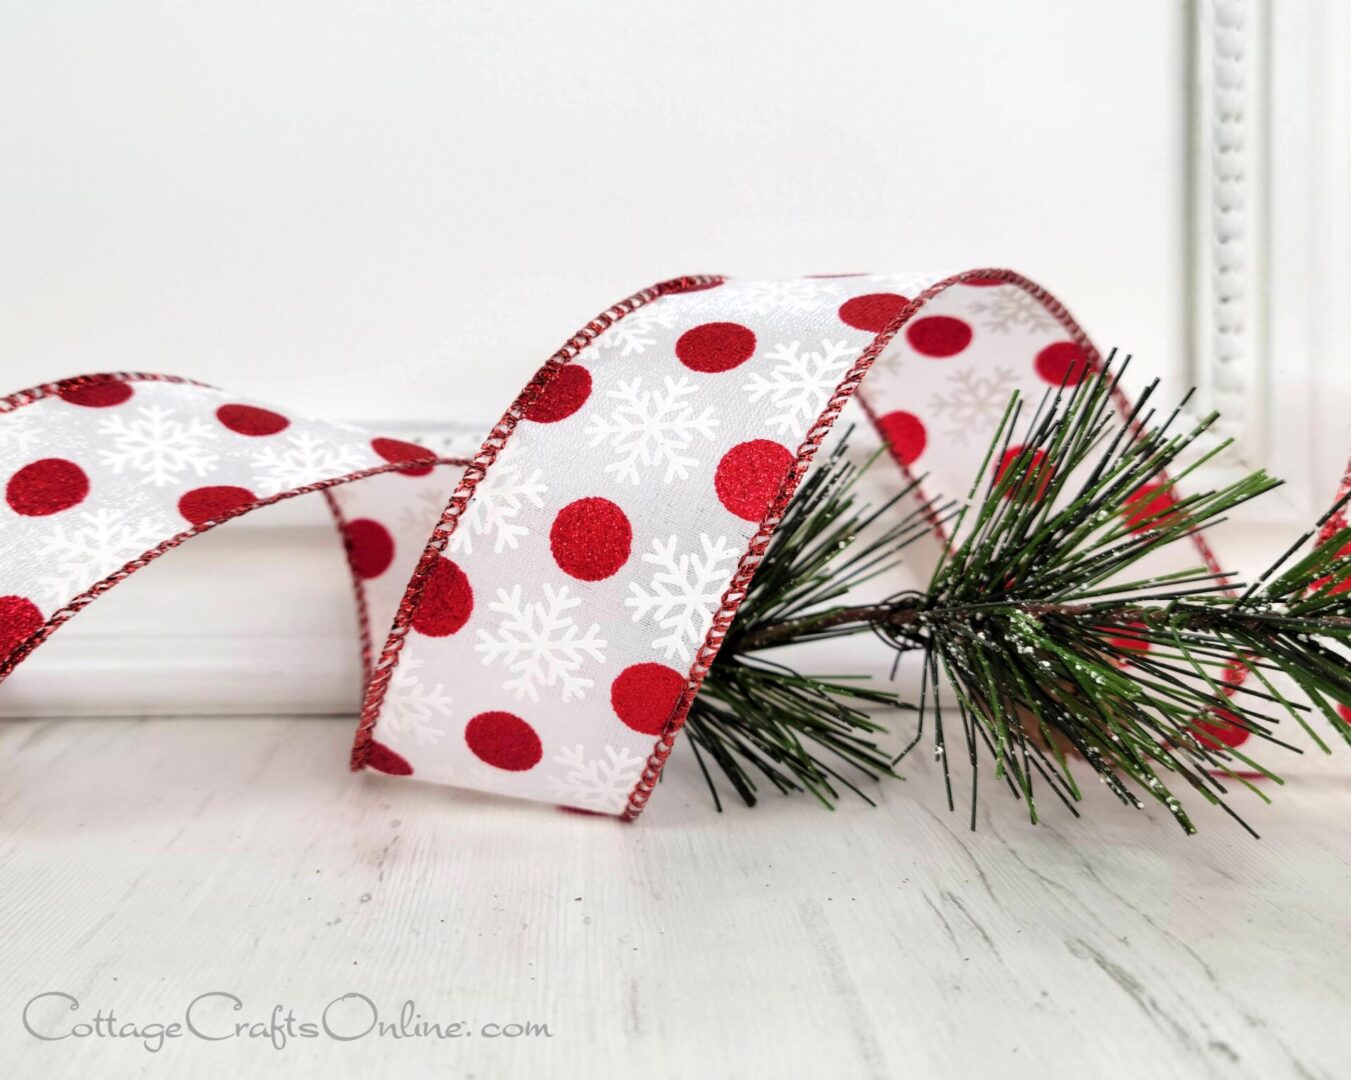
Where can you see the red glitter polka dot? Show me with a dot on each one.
(447, 601)
(1220, 732)
(1035, 467)
(643, 696)
(1062, 364)
(504, 741)
(1124, 639)
(1144, 503)
(1342, 577)
(874, 312)
(382, 759)
(591, 539)
(204, 504)
(398, 450)
(1344, 711)
(905, 435)
(717, 346)
(19, 619)
(46, 487)
(566, 392)
(938, 336)
(1235, 671)
(369, 546)
(750, 475)
(97, 395)
(251, 420)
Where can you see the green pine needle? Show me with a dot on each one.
(1042, 641)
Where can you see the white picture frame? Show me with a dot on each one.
(1269, 264)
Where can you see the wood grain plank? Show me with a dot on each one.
(143, 863)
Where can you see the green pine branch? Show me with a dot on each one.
(1043, 643)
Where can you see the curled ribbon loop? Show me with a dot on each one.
(584, 566)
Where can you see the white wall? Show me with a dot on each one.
(392, 212)
(395, 211)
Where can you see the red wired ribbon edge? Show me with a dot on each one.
(584, 566)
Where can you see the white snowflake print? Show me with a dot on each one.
(652, 429)
(302, 458)
(418, 515)
(158, 444)
(1011, 307)
(18, 431)
(892, 358)
(684, 592)
(632, 335)
(79, 552)
(975, 403)
(413, 707)
(481, 777)
(540, 644)
(602, 784)
(492, 513)
(798, 295)
(800, 383)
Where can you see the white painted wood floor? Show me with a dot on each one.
(147, 862)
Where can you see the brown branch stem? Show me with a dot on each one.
(899, 614)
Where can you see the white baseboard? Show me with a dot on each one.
(242, 620)
(238, 675)
(258, 618)
(253, 618)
